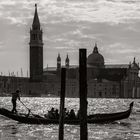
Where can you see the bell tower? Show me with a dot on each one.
(67, 62)
(36, 50)
(58, 62)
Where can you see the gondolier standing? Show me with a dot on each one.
(15, 96)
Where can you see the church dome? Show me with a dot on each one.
(95, 59)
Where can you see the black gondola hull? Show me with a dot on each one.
(96, 118)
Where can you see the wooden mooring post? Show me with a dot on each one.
(62, 104)
(83, 94)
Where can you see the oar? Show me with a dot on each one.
(26, 107)
(37, 116)
(29, 110)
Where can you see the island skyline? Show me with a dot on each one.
(67, 26)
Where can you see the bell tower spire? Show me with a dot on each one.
(36, 50)
(36, 23)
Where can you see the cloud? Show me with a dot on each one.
(7, 2)
(64, 48)
(119, 53)
(1, 46)
(83, 35)
(112, 12)
(122, 49)
(71, 24)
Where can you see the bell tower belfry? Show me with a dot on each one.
(36, 50)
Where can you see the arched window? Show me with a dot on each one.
(40, 37)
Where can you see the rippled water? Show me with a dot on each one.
(128, 129)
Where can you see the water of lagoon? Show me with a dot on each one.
(127, 129)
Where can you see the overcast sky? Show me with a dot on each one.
(67, 26)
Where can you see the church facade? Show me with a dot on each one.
(103, 81)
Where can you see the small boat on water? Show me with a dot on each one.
(95, 118)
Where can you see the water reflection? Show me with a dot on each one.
(9, 131)
(14, 130)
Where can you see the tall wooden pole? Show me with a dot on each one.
(83, 94)
(62, 104)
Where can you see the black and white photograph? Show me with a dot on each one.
(69, 69)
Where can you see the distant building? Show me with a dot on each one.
(119, 81)
(104, 81)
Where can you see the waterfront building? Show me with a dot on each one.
(103, 81)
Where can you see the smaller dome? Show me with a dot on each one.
(95, 59)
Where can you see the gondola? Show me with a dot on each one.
(96, 118)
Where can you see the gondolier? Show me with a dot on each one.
(15, 96)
